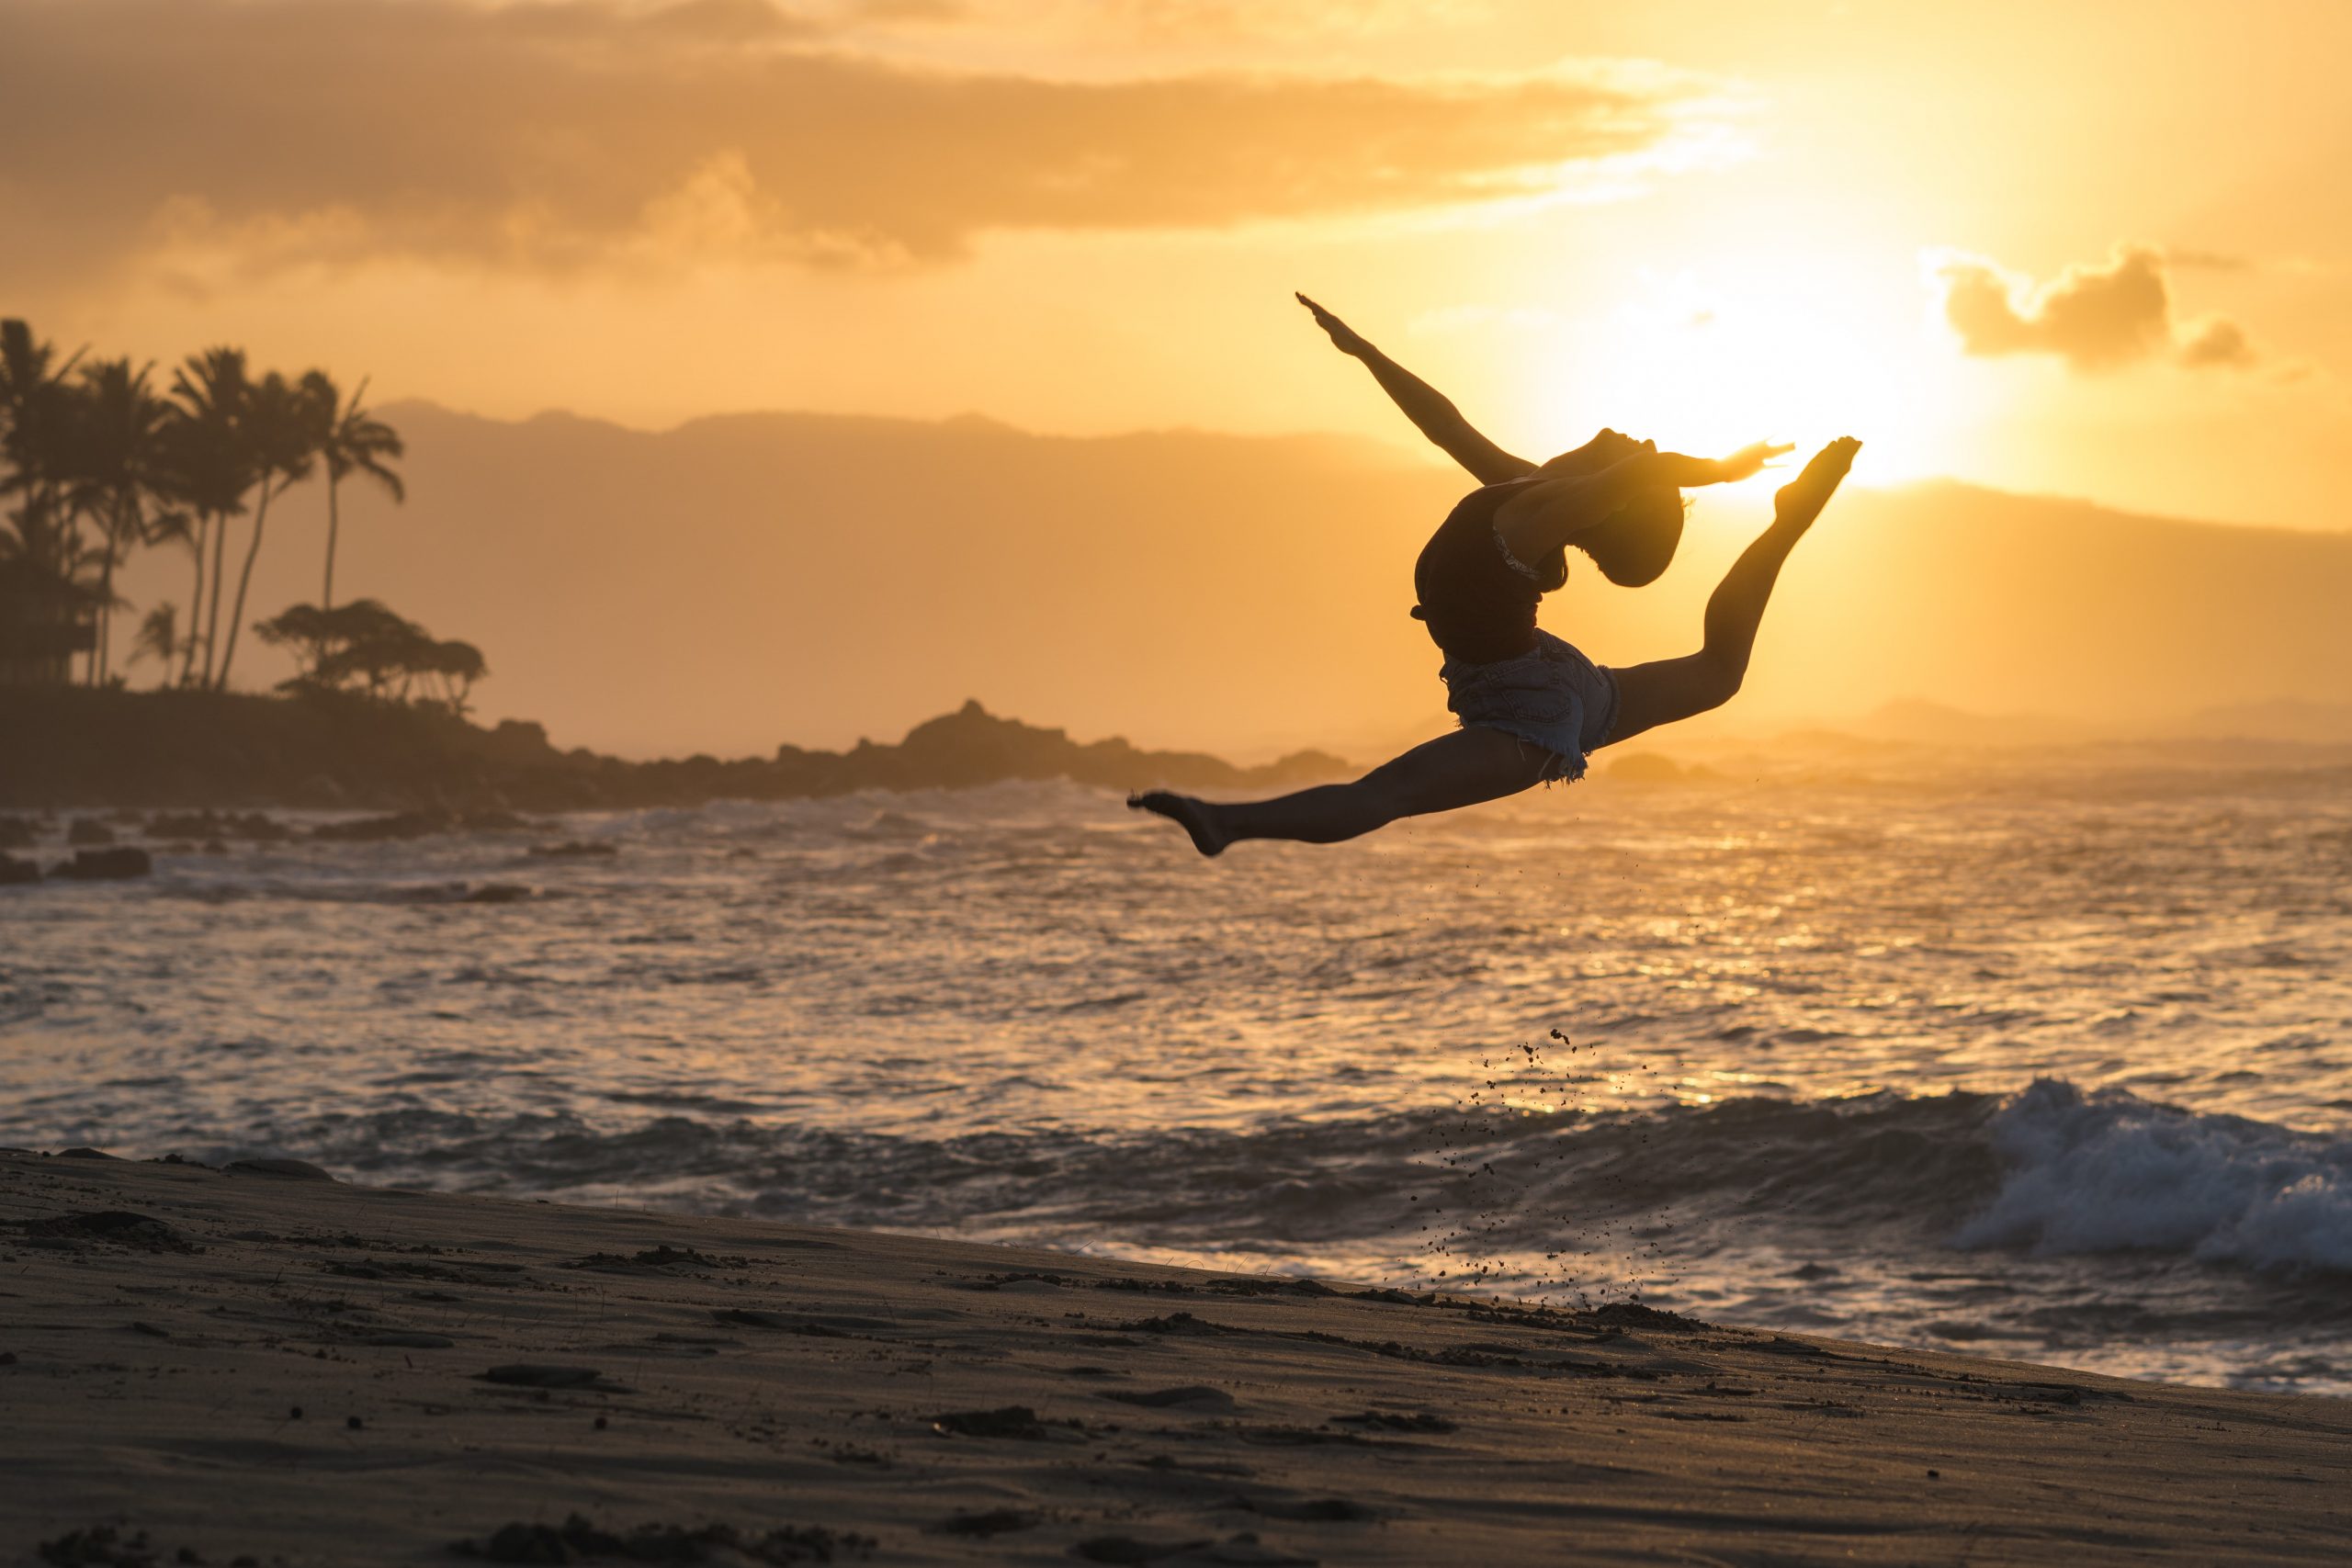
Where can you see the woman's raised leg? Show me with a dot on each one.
(1453, 771)
(1668, 689)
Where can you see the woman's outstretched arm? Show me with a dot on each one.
(1547, 514)
(1432, 410)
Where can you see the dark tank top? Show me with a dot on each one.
(1479, 608)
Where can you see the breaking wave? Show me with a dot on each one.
(2049, 1170)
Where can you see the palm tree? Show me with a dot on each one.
(277, 432)
(121, 475)
(352, 441)
(158, 637)
(36, 412)
(212, 471)
(199, 484)
(49, 605)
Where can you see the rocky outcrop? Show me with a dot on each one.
(200, 754)
(402, 825)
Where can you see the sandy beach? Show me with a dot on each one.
(220, 1366)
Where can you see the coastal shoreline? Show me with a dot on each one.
(78, 749)
(375, 1375)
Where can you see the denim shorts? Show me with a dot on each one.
(1552, 696)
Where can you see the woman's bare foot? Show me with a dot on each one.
(1195, 816)
(1799, 501)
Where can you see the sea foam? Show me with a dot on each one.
(2104, 1171)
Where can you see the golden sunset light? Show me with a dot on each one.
(2024, 248)
(1086, 218)
(1180, 781)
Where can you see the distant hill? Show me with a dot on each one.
(1933, 724)
(2311, 723)
(743, 581)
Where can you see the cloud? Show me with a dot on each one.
(2216, 341)
(2094, 316)
(542, 135)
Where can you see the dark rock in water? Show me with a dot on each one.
(106, 865)
(382, 829)
(15, 872)
(498, 893)
(88, 831)
(573, 848)
(301, 1169)
(215, 847)
(17, 832)
(401, 825)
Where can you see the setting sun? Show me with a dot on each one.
(1709, 357)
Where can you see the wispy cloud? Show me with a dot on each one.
(276, 132)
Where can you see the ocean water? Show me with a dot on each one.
(2055, 1067)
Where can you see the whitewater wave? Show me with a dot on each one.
(2049, 1170)
(2106, 1171)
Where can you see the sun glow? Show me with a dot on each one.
(1704, 360)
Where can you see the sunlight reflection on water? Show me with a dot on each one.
(1014, 1012)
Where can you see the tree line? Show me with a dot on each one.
(98, 459)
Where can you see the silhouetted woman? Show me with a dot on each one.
(1530, 706)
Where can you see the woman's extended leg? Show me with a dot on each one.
(1671, 689)
(1456, 770)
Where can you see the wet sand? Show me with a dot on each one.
(264, 1365)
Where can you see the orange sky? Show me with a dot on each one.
(1700, 221)
(2087, 250)
(1085, 215)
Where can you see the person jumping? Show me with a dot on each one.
(1530, 706)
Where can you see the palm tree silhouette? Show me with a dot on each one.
(277, 446)
(36, 414)
(352, 441)
(123, 474)
(158, 637)
(50, 602)
(214, 470)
